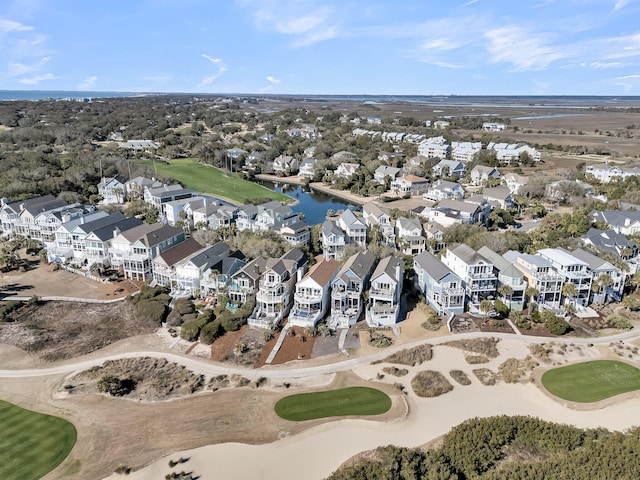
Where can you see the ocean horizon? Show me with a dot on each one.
(461, 100)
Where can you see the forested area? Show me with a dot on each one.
(508, 448)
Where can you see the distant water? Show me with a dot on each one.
(33, 95)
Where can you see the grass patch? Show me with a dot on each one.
(481, 346)
(514, 370)
(396, 372)
(204, 179)
(32, 444)
(487, 377)
(460, 377)
(333, 403)
(592, 381)
(430, 384)
(410, 356)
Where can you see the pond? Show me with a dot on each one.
(313, 204)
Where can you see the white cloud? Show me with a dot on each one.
(207, 80)
(88, 83)
(634, 76)
(620, 4)
(8, 26)
(629, 83)
(522, 49)
(210, 58)
(17, 69)
(273, 79)
(470, 2)
(35, 80)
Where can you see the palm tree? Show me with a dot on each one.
(531, 292)
(603, 282)
(626, 252)
(570, 291)
(506, 291)
(485, 307)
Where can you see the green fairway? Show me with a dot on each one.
(333, 403)
(213, 181)
(592, 381)
(32, 444)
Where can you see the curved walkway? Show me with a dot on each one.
(209, 368)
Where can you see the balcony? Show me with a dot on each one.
(382, 292)
(307, 298)
(270, 297)
(345, 292)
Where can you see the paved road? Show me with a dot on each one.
(209, 368)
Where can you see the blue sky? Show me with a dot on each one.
(402, 47)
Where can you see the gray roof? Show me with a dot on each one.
(432, 265)
(28, 202)
(349, 218)
(468, 255)
(616, 218)
(106, 233)
(211, 255)
(102, 222)
(254, 269)
(296, 255)
(298, 226)
(388, 265)
(44, 206)
(504, 266)
(359, 264)
(329, 227)
(536, 260)
(593, 261)
(608, 240)
(408, 223)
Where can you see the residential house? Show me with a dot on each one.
(441, 124)
(181, 211)
(267, 216)
(307, 167)
(443, 189)
(346, 170)
(482, 173)
(252, 160)
(409, 233)
(164, 264)
(540, 275)
(296, 234)
(564, 190)
(441, 287)
(477, 273)
(136, 186)
(134, 250)
(214, 216)
(58, 244)
(508, 153)
(245, 281)
(374, 120)
(48, 222)
(383, 308)
(354, 227)
(97, 243)
(112, 190)
(610, 241)
(10, 212)
(384, 171)
(515, 182)
(139, 145)
(25, 224)
(376, 217)
(285, 163)
(312, 296)
(348, 287)
(156, 196)
(573, 270)
(434, 147)
(276, 287)
(234, 154)
(391, 156)
(409, 185)
(449, 212)
(435, 236)
(449, 168)
(493, 127)
(465, 152)
(601, 271)
(626, 222)
(334, 240)
(508, 276)
(70, 237)
(499, 197)
(208, 270)
(605, 173)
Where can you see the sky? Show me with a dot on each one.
(350, 47)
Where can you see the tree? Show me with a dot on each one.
(486, 306)
(570, 291)
(630, 303)
(601, 283)
(532, 293)
(506, 291)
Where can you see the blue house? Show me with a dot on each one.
(441, 287)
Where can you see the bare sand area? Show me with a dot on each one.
(319, 450)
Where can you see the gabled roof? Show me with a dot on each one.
(496, 192)
(593, 261)
(106, 233)
(468, 255)
(374, 209)
(297, 227)
(458, 205)
(359, 264)
(181, 251)
(44, 206)
(349, 218)
(608, 240)
(445, 185)
(617, 218)
(504, 266)
(330, 228)
(405, 223)
(560, 256)
(432, 265)
(296, 255)
(28, 202)
(324, 271)
(254, 269)
(208, 256)
(101, 222)
(385, 170)
(388, 265)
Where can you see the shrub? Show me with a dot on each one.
(396, 372)
(210, 332)
(430, 384)
(460, 377)
(8, 307)
(183, 306)
(411, 356)
(557, 326)
(116, 387)
(618, 321)
(190, 330)
(501, 308)
(149, 310)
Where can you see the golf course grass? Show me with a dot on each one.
(592, 381)
(333, 403)
(213, 181)
(32, 444)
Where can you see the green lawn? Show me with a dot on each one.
(333, 403)
(213, 181)
(592, 381)
(32, 444)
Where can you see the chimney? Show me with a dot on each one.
(66, 218)
(627, 222)
(116, 232)
(300, 274)
(397, 270)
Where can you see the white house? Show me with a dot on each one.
(448, 168)
(481, 173)
(346, 170)
(348, 287)
(112, 190)
(307, 167)
(384, 171)
(385, 292)
(476, 272)
(409, 233)
(434, 147)
(311, 299)
(409, 185)
(493, 127)
(444, 189)
(442, 288)
(605, 172)
(515, 182)
(465, 152)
